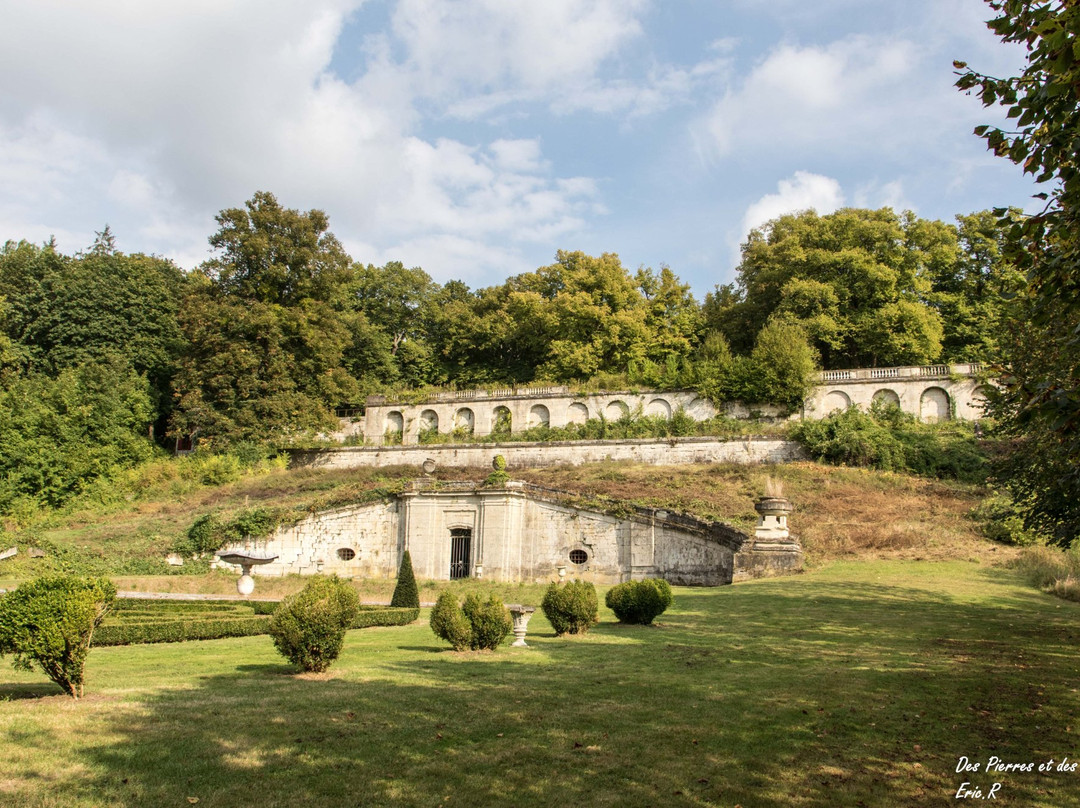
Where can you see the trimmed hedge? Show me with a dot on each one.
(180, 630)
(639, 602)
(249, 618)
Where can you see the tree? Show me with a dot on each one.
(272, 254)
(843, 277)
(59, 435)
(1039, 403)
(49, 622)
(406, 594)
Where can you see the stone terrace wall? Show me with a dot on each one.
(666, 452)
(931, 392)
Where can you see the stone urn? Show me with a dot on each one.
(521, 615)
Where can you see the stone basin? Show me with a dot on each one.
(246, 584)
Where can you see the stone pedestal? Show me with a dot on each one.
(521, 615)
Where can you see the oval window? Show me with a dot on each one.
(578, 556)
(346, 554)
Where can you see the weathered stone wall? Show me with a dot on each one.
(931, 392)
(666, 452)
(517, 533)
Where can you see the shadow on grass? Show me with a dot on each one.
(835, 693)
(14, 692)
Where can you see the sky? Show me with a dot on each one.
(476, 138)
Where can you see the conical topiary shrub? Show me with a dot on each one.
(405, 593)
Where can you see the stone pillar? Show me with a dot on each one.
(773, 550)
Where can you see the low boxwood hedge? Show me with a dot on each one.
(153, 621)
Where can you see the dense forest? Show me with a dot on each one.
(105, 353)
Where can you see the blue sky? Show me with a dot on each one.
(475, 138)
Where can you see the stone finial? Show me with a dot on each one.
(772, 518)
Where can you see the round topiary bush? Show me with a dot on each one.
(449, 623)
(571, 608)
(478, 625)
(406, 594)
(639, 602)
(489, 620)
(308, 628)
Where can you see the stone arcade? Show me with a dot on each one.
(523, 532)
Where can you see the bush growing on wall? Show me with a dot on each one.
(309, 627)
(571, 608)
(639, 602)
(477, 625)
(405, 592)
(50, 622)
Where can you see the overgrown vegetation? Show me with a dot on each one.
(571, 607)
(308, 628)
(50, 622)
(1052, 569)
(890, 440)
(639, 602)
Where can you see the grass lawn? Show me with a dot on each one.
(859, 684)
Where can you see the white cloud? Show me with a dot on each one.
(153, 117)
(800, 192)
(803, 191)
(810, 95)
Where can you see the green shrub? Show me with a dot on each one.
(489, 621)
(449, 623)
(887, 439)
(1001, 520)
(309, 627)
(639, 602)
(571, 608)
(477, 625)
(50, 622)
(405, 593)
(155, 631)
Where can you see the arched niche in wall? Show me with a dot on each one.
(539, 416)
(463, 419)
(395, 423)
(577, 413)
(837, 400)
(886, 398)
(979, 398)
(658, 407)
(502, 421)
(429, 421)
(616, 410)
(934, 405)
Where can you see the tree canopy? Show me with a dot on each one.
(1040, 401)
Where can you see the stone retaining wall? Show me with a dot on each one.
(665, 452)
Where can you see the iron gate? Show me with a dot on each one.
(460, 541)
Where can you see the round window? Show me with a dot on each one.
(346, 554)
(578, 556)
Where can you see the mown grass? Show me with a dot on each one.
(861, 683)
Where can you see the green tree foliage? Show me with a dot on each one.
(50, 622)
(277, 333)
(59, 434)
(639, 602)
(308, 628)
(571, 607)
(856, 280)
(63, 312)
(406, 594)
(1039, 405)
